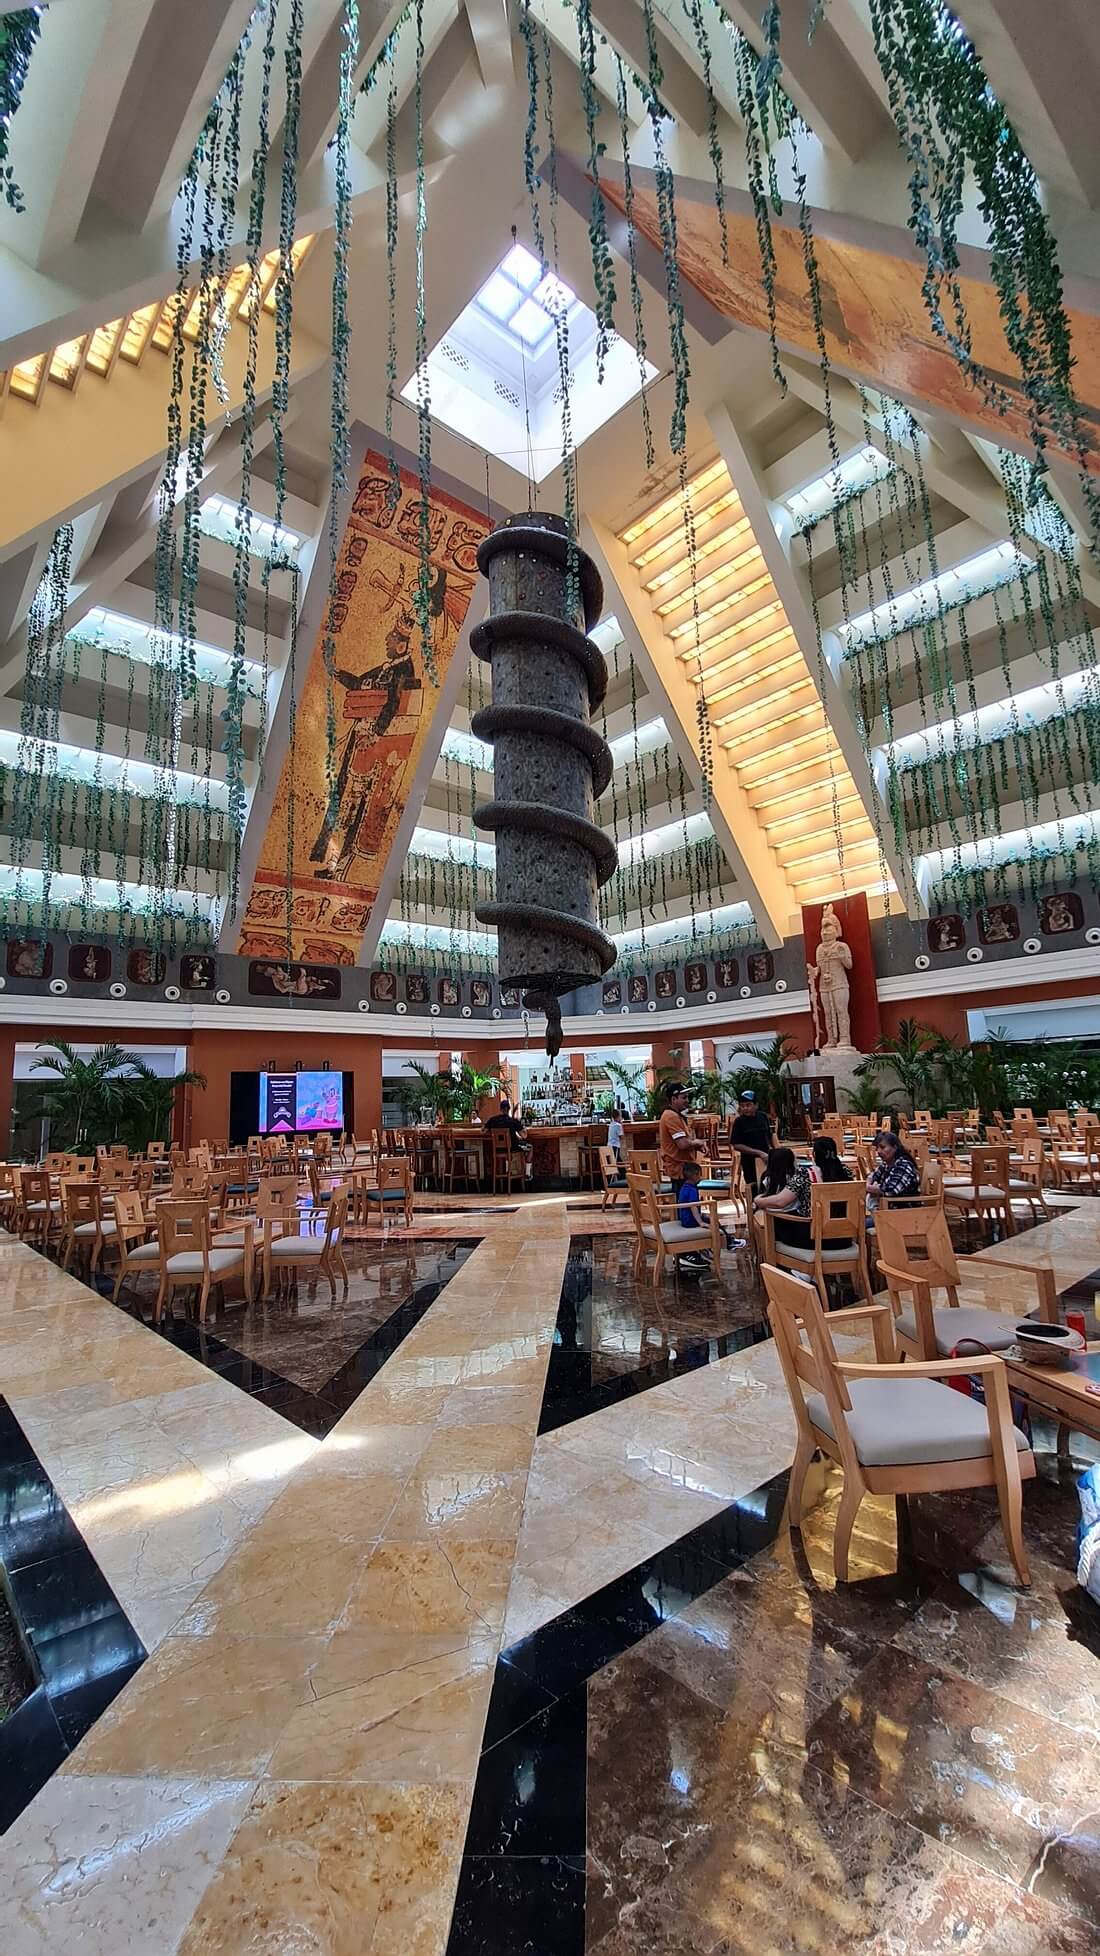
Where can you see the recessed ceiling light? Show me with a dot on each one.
(531, 323)
(553, 293)
(500, 297)
(523, 266)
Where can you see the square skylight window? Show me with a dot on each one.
(522, 265)
(500, 296)
(553, 293)
(494, 376)
(531, 323)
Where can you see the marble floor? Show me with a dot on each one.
(478, 1585)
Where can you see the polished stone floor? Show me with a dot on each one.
(511, 1613)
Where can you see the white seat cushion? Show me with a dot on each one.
(143, 1252)
(36, 1208)
(987, 1192)
(962, 1322)
(674, 1232)
(295, 1246)
(89, 1229)
(804, 1253)
(910, 1422)
(188, 1263)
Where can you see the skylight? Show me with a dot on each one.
(984, 572)
(815, 499)
(494, 377)
(467, 750)
(28, 886)
(131, 638)
(218, 518)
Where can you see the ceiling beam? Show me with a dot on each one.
(1045, 67)
(823, 78)
(792, 589)
(492, 32)
(760, 880)
(681, 90)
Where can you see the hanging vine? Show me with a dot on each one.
(19, 34)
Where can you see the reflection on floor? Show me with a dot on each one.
(617, 1336)
(307, 1354)
(723, 1753)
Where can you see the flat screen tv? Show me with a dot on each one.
(301, 1103)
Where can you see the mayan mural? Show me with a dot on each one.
(385, 702)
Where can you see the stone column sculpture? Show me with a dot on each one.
(549, 763)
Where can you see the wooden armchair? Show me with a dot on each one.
(893, 1429)
(38, 1213)
(285, 1250)
(837, 1241)
(1076, 1164)
(916, 1259)
(136, 1254)
(394, 1188)
(985, 1194)
(659, 1234)
(612, 1177)
(190, 1256)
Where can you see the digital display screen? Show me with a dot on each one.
(302, 1103)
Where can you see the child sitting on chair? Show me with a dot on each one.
(689, 1214)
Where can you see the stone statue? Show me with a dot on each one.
(833, 962)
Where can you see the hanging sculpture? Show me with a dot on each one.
(550, 764)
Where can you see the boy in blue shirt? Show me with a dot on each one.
(689, 1215)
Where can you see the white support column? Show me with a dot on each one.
(792, 589)
(761, 881)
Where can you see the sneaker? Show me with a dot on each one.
(737, 1243)
(695, 1260)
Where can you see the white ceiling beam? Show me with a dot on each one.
(681, 89)
(492, 32)
(1044, 65)
(760, 881)
(321, 79)
(792, 589)
(824, 79)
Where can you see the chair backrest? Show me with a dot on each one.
(395, 1172)
(918, 1241)
(807, 1353)
(102, 1149)
(190, 1178)
(609, 1167)
(120, 1148)
(142, 1177)
(645, 1161)
(83, 1201)
(838, 1212)
(989, 1165)
(58, 1163)
(1031, 1149)
(277, 1196)
(113, 1169)
(156, 1151)
(200, 1154)
(129, 1215)
(922, 1116)
(931, 1184)
(35, 1185)
(1022, 1114)
(336, 1219)
(183, 1226)
(322, 1147)
(502, 1147)
(81, 1167)
(643, 1200)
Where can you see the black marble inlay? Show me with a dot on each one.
(80, 1643)
(519, 1905)
(521, 1887)
(586, 1372)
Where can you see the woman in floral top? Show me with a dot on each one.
(786, 1193)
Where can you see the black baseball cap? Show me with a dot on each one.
(748, 1094)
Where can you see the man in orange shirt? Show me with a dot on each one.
(677, 1144)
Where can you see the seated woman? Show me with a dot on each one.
(785, 1191)
(832, 1169)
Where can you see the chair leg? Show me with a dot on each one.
(203, 1295)
(800, 1467)
(851, 1501)
(161, 1295)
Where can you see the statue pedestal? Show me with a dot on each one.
(838, 1064)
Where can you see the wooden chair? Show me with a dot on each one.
(114, 1171)
(58, 1163)
(189, 1178)
(426, 1169)
(1029, 1178)
(38, 1213)
(394, 1187)
(588, 1156)
(190, 1257)
(612, 1177)
(916, 1258)
(286, 1250)
(461, 1161)
(156, 1151)
(84, 1227)
(837, 1245)
(502, 1162)
(136, 1253)
(660, 1235)
(922, 1117)
(893, 1429)
(322, 1150)
(986, 1195)
(1023, 1114)
(200, 1155)
(1076, 1164)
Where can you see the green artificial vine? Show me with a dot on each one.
(19, 34)
(422, 602)
(603, 268)
(341, 348)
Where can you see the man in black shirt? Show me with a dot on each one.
(751, 1135)
(506, 1118)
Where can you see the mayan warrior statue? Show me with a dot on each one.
(833, 962)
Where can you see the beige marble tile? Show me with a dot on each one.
(425, 1588)
(106, 1865)
(335, 1871)
(202, 1707)
(457, 1504)
(419, 1716)
(286, 1585)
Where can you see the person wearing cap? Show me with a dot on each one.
(751, 1135)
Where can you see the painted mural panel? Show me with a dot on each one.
(384, 705)
(875, 321)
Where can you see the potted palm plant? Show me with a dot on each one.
(86, 1097)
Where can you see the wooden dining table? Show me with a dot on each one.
(1062, 1253)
